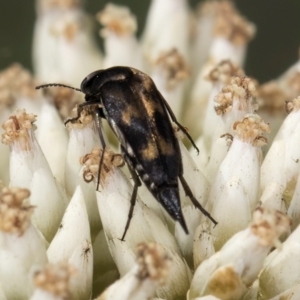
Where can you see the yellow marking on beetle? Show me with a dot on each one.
(128, 113)
(151, 106)
(151, 103)
(157, 145)
(165, 147)
(151, 151)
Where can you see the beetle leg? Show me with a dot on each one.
(189, 193)
(102, 142)
(173, 117)
(79, 110)
(137, 184)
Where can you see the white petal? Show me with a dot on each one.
(192, 217)
(73, 231)
(20, 256)
(81, 281)
(203, 246)
(51, 131)
(49, 201)
(281, 271)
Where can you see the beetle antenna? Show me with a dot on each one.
(57, 84)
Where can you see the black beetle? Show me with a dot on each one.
(139, 116)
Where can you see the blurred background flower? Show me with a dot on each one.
(277, 38)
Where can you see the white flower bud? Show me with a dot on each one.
(18, 85)
(236, 186)
(52, 283)
(72, 244)
(227, 273)
(83, 137)
(169, 73)
(203, 246)
(165, 28)
(121, 45)
(207, 13)
(233, 102)
(150, 271)
(220, 76)
(82, 261)
(73, 230)
(17, 89)
(199, 96)
(280, 168)
(63, 35)
(29, 169)
(231, 34)
(218, 152)
(51, 131)
(271, 98)
(22, 248)
(281, 271)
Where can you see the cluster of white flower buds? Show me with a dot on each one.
(60, 238)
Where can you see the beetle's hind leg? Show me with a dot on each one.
(189, 193)
(173, 117)
(137, 184)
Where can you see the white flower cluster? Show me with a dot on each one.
(60, 238)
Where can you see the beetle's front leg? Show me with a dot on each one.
(99, 114)
(80, 109)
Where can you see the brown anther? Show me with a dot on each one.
(55, 279)
(91, 162)
(271, 96)
(15, 213)
(292, 105)
(117, 19)
(173, 66)
(17, 129)
(85, 119)
(268, 225)
(235, 28)
(240, 92)
(224, 71)
(16, 82)
(153, 262)
(250, 130)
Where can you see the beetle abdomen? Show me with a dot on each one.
(169, 199)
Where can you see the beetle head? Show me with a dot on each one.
(91, 85)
